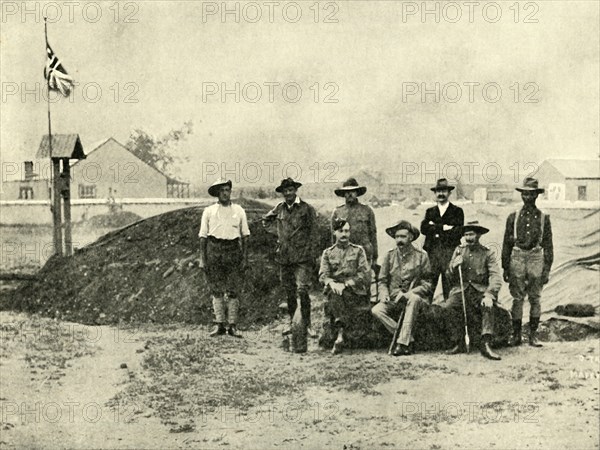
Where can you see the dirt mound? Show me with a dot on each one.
(117, 219)
(147, 272)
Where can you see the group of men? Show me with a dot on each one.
(407, 277)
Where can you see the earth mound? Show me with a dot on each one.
(116, 219)
(148, 272)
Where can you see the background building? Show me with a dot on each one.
(109, 171)
(570, 179)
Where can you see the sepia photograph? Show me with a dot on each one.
(310, 224)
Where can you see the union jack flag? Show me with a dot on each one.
(56, 75)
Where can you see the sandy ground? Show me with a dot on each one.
(533, 398)
(66, 385)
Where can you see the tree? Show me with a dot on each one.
(159, 152)
(261, 193)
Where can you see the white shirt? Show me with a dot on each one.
(297, 201)
(443, 208)
(224, 222)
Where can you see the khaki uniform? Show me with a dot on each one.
(345, 265)
(404, 273)
(363, 230)
(481, 278)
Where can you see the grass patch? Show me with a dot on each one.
(185, 377)
(47, 346)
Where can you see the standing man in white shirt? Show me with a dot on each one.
(442, 230)
(224, 255)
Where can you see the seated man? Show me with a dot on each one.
(404, 283)
(345, 274)
(481, 281)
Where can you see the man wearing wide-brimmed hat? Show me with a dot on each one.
(296, 247)
(223, 243)
(404, 283)
(441, 228)
(527, 256)
(481, 281)
(361, 218)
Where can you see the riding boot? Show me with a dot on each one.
(533, 326)
(486, 350)
(287, 328)
(515, 340)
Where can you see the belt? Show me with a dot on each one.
(223, 241)
(536, 248)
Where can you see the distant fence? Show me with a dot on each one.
(37, 212)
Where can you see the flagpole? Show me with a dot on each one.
(55, 173)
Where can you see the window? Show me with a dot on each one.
(26, 193)
(87, 191)
(178, 190)
(581, 192)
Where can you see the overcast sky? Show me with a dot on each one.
(172, 50)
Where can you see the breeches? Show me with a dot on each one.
(295, 280)
(341, 309)
(414, 306)
(526, 268)
(223, 267)
(478, 317)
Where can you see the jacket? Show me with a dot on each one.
(296, 232)
(341, 264)
(479, 269)
(435, 236)
(408, 272)
(363, 230)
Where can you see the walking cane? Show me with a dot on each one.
(464, 303)
(397, 331)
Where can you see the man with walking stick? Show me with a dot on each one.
(475, 280)
(404, 287)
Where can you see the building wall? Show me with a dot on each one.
(592, 189)
(547, 174)
(37, 212)
(111, 167)
(12, 190)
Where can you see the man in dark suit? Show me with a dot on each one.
(442, 230)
